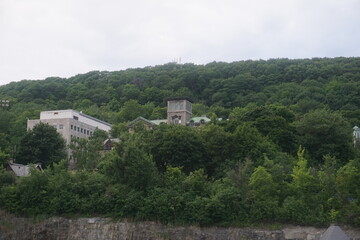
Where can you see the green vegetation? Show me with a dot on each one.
(43, 144)
(283, 152)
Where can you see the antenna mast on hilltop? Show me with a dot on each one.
(177, 60)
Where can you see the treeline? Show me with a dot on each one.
(226, 174)
(301, 85)
(283, 150)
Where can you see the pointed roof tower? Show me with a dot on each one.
(334, 233)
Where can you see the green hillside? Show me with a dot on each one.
(283, 151)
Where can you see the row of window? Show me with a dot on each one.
(61, 126)
(81, 130)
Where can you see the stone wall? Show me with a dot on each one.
(101, 228)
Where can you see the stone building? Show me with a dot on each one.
(179, 111)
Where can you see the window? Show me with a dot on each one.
(71, 127)
(91, 133)
(61, 126)
(188, 107)
(202, 121)
(76, 117)
(54, 125)
(78, 128)
(176, 119)
(56, 113)
(88, 132)
(81, 130)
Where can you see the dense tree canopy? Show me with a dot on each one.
(279, 146)
(43, 144)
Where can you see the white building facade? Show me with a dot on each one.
(70, 123)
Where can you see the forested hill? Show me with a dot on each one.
(284, 151)
(303, 85)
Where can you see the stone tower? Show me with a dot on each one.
(179, 110)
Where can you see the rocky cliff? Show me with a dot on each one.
(101, 228)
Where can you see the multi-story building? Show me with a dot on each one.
(70, 124)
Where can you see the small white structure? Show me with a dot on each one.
(356, 136)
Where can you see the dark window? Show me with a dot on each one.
(176, 119)
(61, 126)
(76, 118)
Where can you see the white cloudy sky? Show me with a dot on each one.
(43, 38)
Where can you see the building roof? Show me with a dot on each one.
(198, 119)
(140, 119)
(21, 170)
(113, 140)
(95, 119)
(179, 98)
(159, 121)
(334, 233)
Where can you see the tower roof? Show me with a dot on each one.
(334, 233)
(179, 98)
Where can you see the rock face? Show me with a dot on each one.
(102, 228)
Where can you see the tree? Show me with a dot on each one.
(177, 146)
(263, 195)
(3, 158)
(303, 205)
(347, 185)
(43, 144)
(323, 132)
(131, 164)
(86, 152)
(249, 143)
(132, 109)
(217, 147)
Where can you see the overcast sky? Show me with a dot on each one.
(44, 38)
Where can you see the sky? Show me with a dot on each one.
(63, 38)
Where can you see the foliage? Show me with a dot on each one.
(177, 146)
(323, 132)
(244, 167)
(43, 144)
(87, 152)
